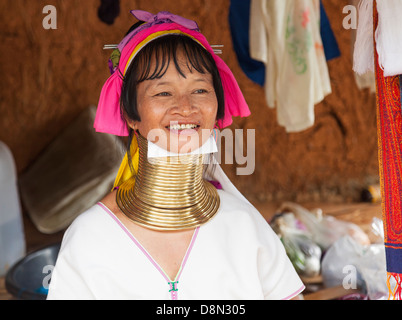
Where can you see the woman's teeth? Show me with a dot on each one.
(182, 126)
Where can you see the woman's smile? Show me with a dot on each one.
(181, 128)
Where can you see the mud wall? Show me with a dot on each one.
(49, 76)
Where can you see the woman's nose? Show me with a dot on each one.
(185, 106)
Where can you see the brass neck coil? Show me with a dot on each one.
(168, 193)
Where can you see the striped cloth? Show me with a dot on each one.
(389, 124)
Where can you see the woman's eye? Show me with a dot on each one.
(162, 94)
(201, 91)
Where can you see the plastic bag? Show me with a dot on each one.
(353, 266)
(302, 251)
(377, 229)
(325, 230)
(339, 261)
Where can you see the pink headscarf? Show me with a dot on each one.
(108, 117)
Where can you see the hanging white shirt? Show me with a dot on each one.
(388, 38)
(285, 36)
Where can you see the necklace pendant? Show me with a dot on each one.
(173, 289)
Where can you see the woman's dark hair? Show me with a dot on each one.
(163, 51)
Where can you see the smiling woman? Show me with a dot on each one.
(174, 94)
(169, 224)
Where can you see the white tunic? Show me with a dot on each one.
(236, 255)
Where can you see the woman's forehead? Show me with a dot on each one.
(154, 60)
(172, 77)
(180, 62)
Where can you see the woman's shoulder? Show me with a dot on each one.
(96, 213)
(109, 201)
(241, 214)
(83, 225)
(234, 205)
(90, 225)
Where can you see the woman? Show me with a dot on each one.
(171, 229)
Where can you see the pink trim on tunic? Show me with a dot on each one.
(295, 293)
(172, 284)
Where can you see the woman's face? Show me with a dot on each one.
(177, 113)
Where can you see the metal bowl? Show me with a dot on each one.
(28, 279)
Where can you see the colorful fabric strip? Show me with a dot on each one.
(389, 124)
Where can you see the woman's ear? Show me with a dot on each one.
(131, 123)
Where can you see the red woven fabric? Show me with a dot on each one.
(389, 126)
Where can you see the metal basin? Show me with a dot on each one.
(28, 279)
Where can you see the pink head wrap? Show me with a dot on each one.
(108, 117)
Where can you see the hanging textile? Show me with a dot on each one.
(239, 20)
(389, 123)
(388, 36)
(364, 43)
(363, 46)
(285, 36)
(331, 48)
(108, 11)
